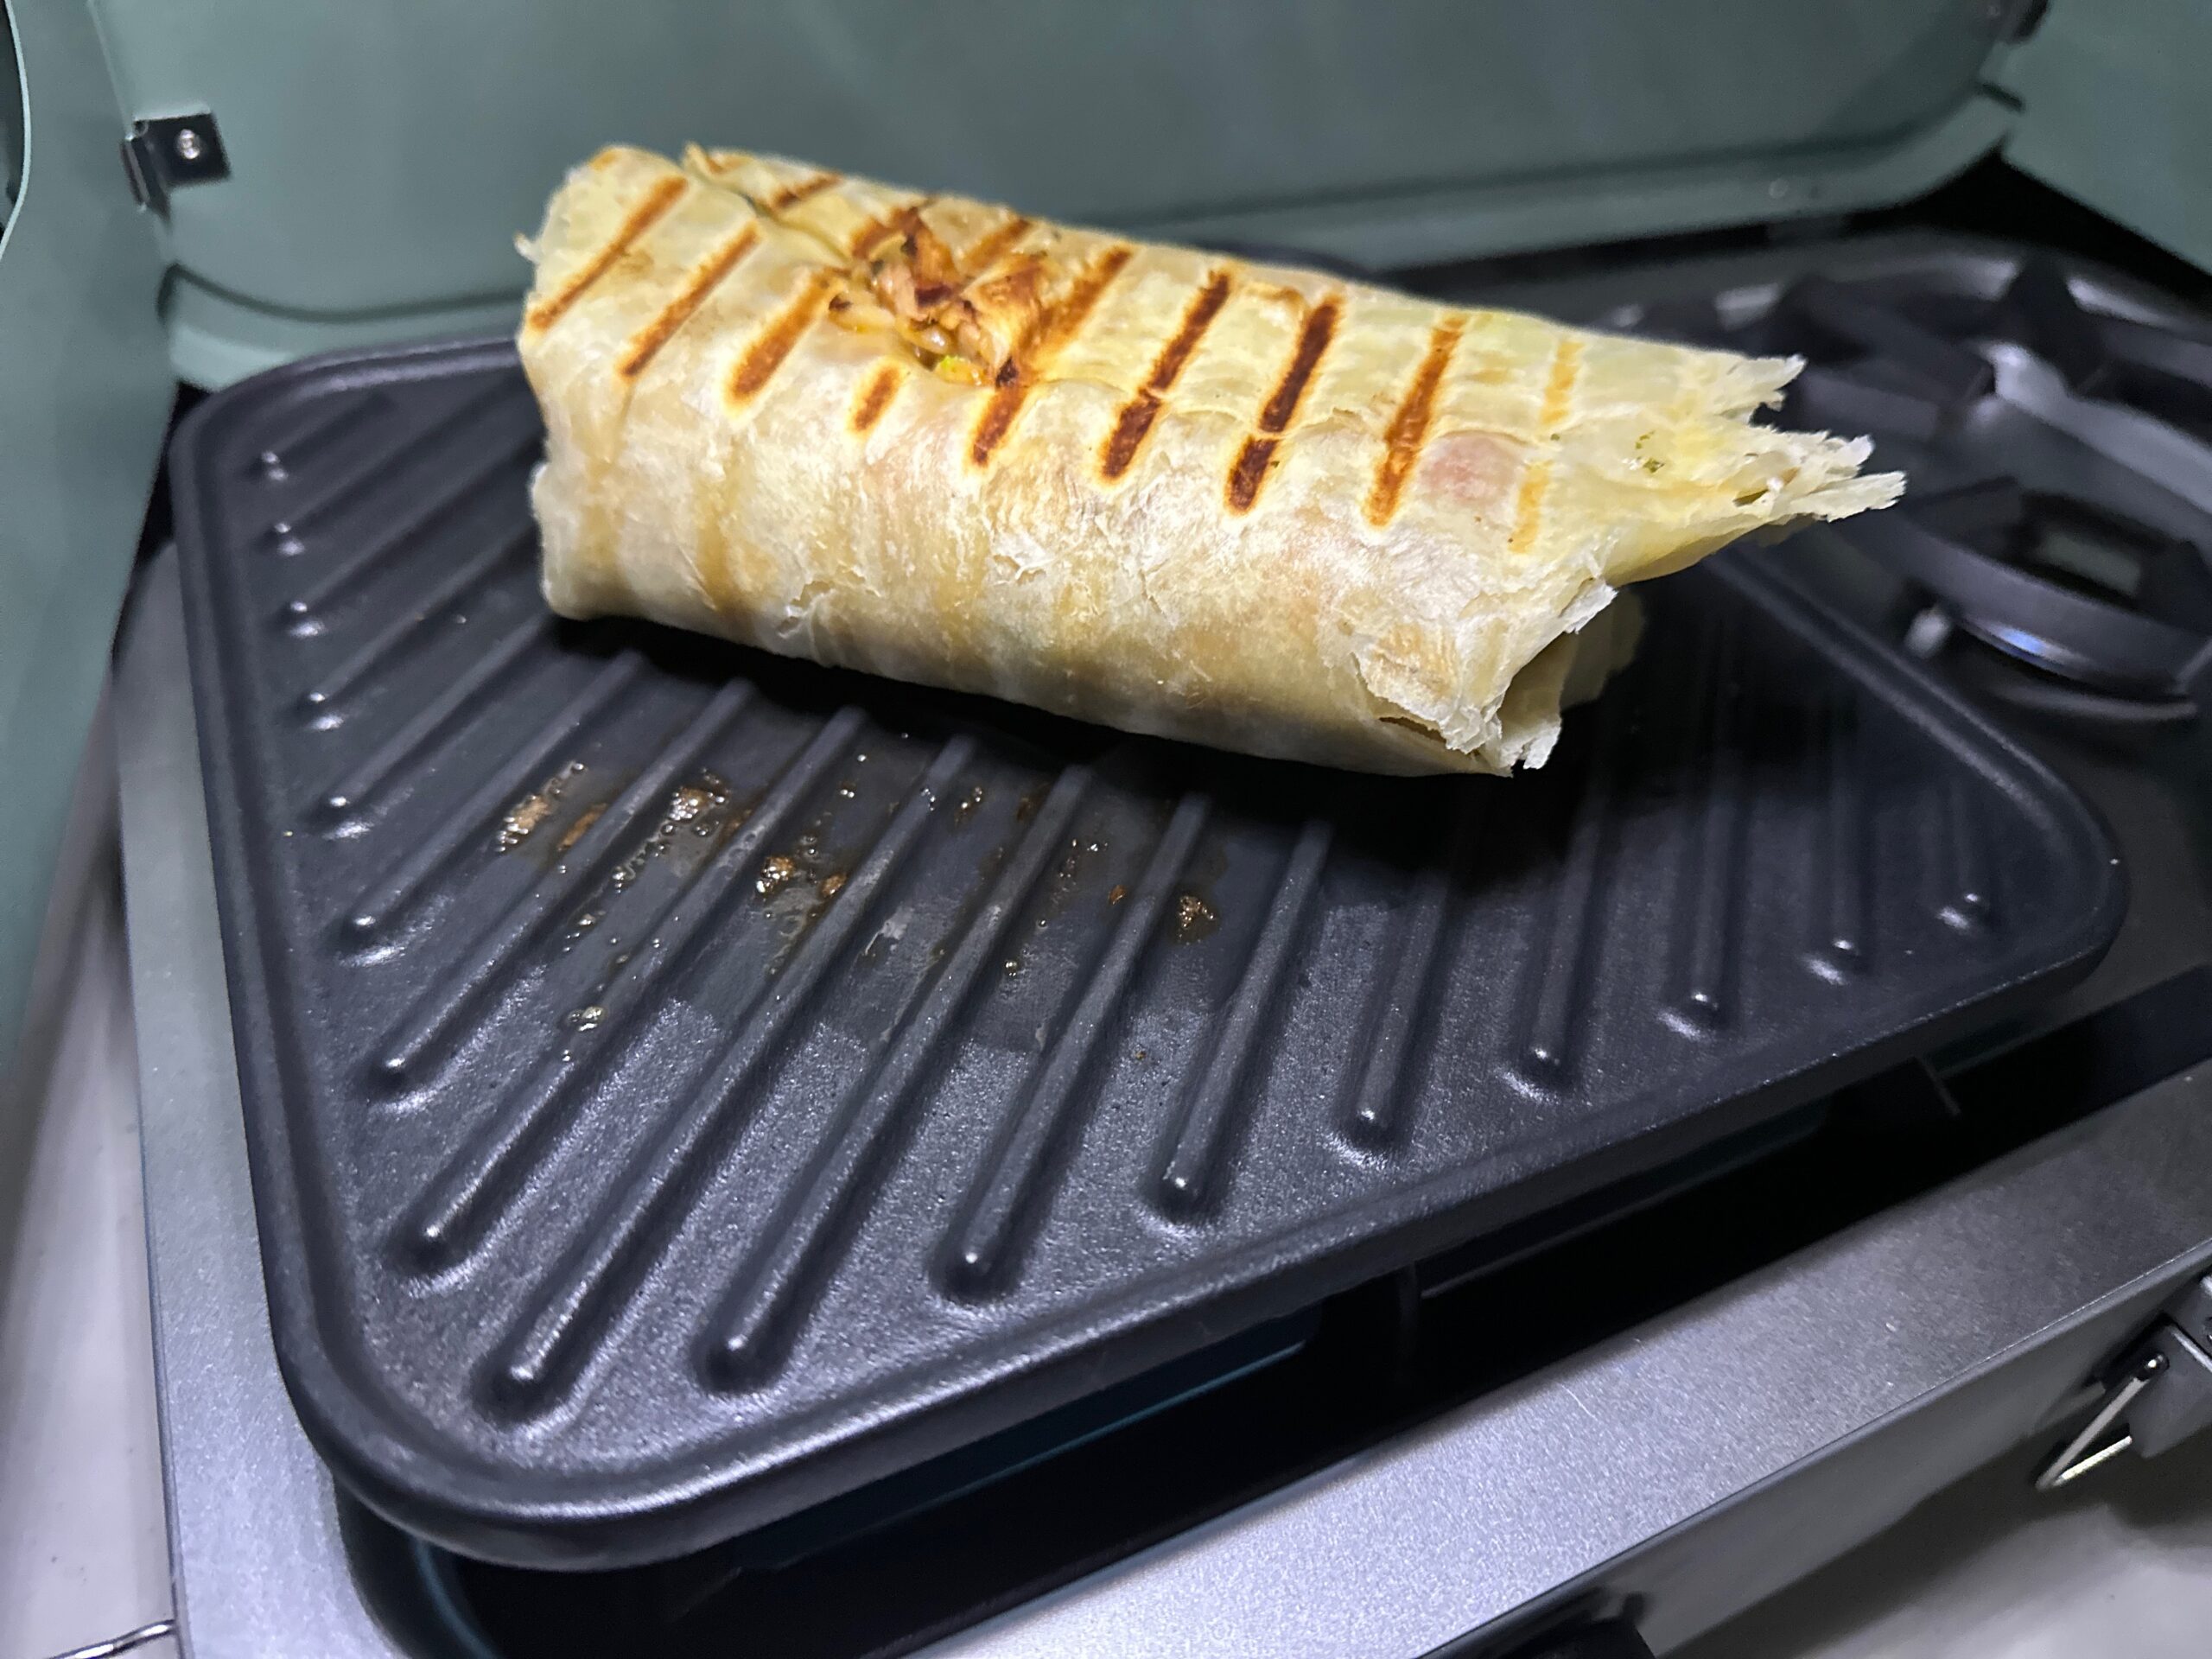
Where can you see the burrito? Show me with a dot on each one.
(1265, 509)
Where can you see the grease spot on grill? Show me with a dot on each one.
(1116, 893)
(703, 806)
(969, 805)
(832, 886)
(1195, 920)
(585, 1019)
(777, 872)
(523, 818)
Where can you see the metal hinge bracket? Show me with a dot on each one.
(169, 152)
(2156, 1396)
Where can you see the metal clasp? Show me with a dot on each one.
(2160, 1393)
(170, 152)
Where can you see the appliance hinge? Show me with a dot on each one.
(2158, 1394)
(171, 151)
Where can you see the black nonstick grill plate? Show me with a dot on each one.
(683, 1085)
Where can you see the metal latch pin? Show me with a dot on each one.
(2074, 1459)
(2160, 1394)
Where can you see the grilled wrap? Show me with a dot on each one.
(1265, 509)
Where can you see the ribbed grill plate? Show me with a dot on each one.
(685, 1084)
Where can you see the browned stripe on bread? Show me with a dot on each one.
(647, 343)
(1247, 472)
(900, 222)
(1528, 505)
(792, 194)
(1051, 332)
(876, 396)
(642, 218)
(1559, 390)
(1196, 319)
(1250, 470)
(1129, 429)
(1536, 476)
(994, 245)
(1138, 414)
(1313, 339)
(1409, 428)
(774, 343)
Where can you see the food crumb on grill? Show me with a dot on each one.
(1116, 893)
(694, 800)
(526, 815)
(586, 1019)
(575, 832)
(1194, 918)
(832, 886)
(777, 872)
(700, 805)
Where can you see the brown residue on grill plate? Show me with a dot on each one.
(522, 819)
(778, 871)
(575, 832)
(1195, 918)
(702, 807)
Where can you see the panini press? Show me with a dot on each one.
(651, 1149)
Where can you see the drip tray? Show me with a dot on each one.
(683, 1085)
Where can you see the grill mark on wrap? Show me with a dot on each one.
(1536, 476)
(642, 218)
(1559, 390)
(1137, 415)
(898, 222)
(1052, 331)
(876, 396)
(774, 343)
(1250, 470)
(995, 245)
(647, 343)
(1408, 429)
(792, 194)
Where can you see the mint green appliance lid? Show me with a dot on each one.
(382, 157)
